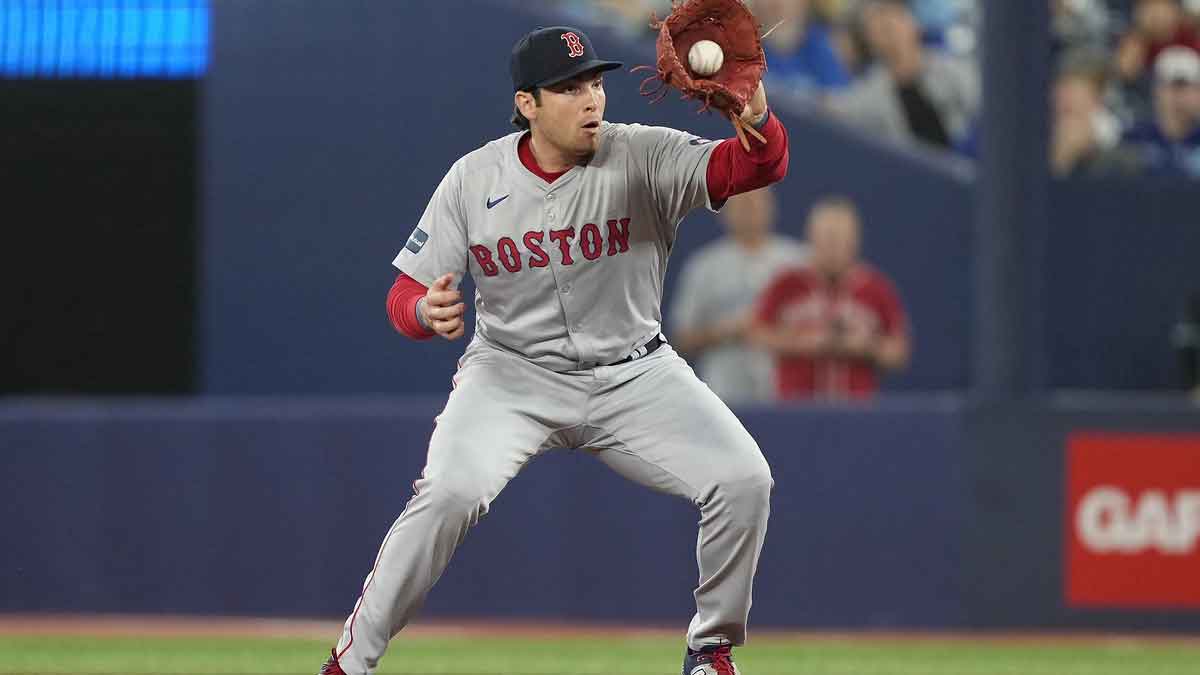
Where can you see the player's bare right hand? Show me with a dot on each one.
(442, 308)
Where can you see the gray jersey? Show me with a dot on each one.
(722, 280)
(568, 274)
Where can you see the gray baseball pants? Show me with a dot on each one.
(652, 420)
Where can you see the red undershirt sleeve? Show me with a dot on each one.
(402, 307)
(732, 170)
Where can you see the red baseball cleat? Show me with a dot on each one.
(331, 666)
(710, 661)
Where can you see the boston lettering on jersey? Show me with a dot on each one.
(591, 245)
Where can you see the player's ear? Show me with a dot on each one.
(526, 103)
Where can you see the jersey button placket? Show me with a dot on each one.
(574, 324)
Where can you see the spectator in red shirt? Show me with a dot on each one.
(1157, 25)
(835, 324)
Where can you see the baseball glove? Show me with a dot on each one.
(729, 24)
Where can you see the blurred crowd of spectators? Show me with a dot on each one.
(903, 70)
(1126, 97)
(1127, 87)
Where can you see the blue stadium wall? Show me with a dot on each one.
(1121, 259)
(921, 511)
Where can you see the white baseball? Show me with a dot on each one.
(705, 57)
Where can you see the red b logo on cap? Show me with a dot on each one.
(573, 44)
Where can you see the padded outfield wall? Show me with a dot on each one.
(919, 512)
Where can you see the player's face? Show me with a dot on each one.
(570, 114)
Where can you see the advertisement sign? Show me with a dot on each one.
(1133, 520)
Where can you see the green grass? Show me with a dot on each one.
(571, 656)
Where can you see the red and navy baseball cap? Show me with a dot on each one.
(548, 56)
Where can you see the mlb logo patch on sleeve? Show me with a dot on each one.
(417, 240)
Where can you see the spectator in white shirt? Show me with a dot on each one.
(716, 294)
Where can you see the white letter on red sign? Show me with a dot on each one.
(1100, 519)
(1187, 519)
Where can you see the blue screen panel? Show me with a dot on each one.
(103, 38)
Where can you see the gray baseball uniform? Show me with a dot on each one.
(569, 277)
(721, 280)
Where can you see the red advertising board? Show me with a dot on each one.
(1133, 520)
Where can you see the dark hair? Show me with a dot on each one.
(519, 120)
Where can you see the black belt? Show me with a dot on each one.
(645, 350)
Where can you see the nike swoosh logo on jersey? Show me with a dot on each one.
(699, 141)
(493, 203)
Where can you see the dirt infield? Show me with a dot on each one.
(203, 626)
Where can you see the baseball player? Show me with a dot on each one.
(566, 226)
